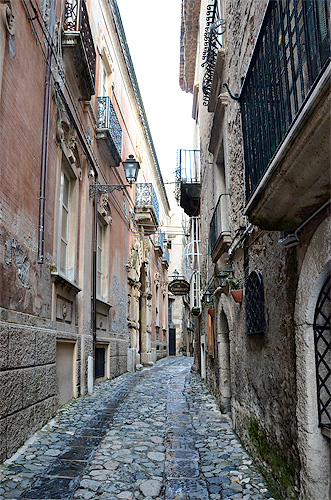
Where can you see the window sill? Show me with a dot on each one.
(60, 279)
(103, 302)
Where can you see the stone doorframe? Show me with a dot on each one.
(140, 304)
(314, 447)
(223, 335)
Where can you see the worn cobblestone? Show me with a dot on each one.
(157, 434)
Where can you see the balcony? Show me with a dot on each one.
(159, 242)
(215, 27)
(146, 208)
(188, 186)
(285, 106)
(219, 232)
(166, 257)
(109, 132)
(78, 48)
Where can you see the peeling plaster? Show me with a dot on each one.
(8, 252)
(22, 264)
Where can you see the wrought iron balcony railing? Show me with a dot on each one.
(159, 239)
(219, 229)
(107, 119)
(187, 190)
(291, 52)
(145, 196)
(188, 165)
(215, 27)
(76, 20)
(166, 256)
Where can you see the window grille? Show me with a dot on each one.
(291, 52)
(254, 298)
(323, 355)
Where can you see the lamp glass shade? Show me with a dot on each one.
(131, 169)
(208, 297)
(175, 274)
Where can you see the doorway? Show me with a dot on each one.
(224, 361)
(65, 365)
(172, 341)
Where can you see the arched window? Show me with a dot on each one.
(323, 355)
(254, 298)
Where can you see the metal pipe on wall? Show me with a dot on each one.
(45, 135)
(94, 276)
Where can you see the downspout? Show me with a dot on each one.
(45, 136)
(94, 274)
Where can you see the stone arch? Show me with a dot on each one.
(223, 329)
(314, 447)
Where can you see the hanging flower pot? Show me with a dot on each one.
(237, 295)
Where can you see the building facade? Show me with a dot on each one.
(180, 328)
(83, 280)
(259, 73)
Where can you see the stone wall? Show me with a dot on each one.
(266, 387)
(28, 392)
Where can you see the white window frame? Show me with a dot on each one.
(68, 268)
(64, 209)
(103, 81)
(103, 242)
(100, 258)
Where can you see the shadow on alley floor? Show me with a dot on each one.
(155, 434)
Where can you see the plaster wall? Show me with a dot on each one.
(38, 306)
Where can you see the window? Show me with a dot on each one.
(100, 258)
(157, 306)
(323, 355)
(164, 312)
(104, 82)
(255, 316)
(64, 222)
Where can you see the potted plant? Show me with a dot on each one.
(235, 288)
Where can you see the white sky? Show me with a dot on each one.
(152, 29)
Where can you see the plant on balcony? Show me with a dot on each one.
(235, 288)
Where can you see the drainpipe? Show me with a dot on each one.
(94, 273)
(45, 136)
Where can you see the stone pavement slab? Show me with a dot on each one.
(156, 434)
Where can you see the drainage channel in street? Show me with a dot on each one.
(183, 477)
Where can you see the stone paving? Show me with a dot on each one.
(156, 434)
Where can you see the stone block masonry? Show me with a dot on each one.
(27, 383)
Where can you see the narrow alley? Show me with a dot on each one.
(157, 433)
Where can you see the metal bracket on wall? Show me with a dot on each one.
(236, 97)
(97, 189)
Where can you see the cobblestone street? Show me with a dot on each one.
(155, 434)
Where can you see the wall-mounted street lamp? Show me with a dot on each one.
(222, 276)
(207, 297)
(175, 274)
(131, 169)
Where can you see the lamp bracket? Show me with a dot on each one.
(97, 189)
